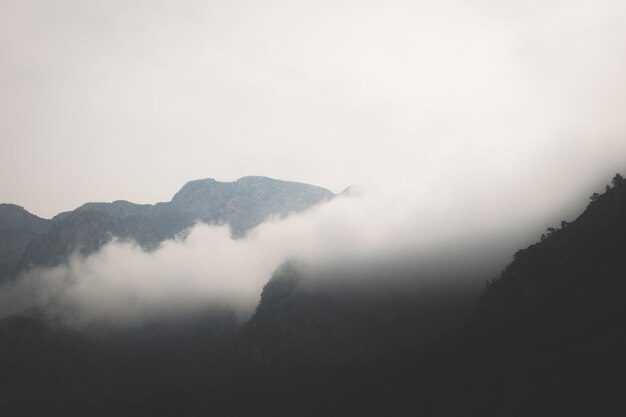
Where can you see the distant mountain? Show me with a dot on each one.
(245, 203)
(18, 228)
(242, 204)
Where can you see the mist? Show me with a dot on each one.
(363, 236)
(470, 126)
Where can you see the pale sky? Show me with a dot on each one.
(106, 100)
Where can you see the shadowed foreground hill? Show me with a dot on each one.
(550, 332)
(28, 240)
(547, 337)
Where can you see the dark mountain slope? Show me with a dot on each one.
(343, 344)
(550, 332)
(311, 319)
(545, 338)
(242, 205)
(579, 262)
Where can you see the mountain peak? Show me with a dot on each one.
(246, 202)
(241, 204)
(256, 178)
(12, 215)
(8, 208)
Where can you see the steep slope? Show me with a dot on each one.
(545, 338)
(549, 333)
(310, 320)
(242, 205)
(576, 263)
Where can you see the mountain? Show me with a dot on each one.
(245, 203)
(549, 333)
(313, 319)
(546, 337)
(242, 204)
(18, 228)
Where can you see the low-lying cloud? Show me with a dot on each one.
(480, 122)
(207, 270)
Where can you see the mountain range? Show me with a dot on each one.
(27, 240)
(544, 337)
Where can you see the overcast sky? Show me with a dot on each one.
(106, 100)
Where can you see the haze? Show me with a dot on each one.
(351, 236)
(456, 99)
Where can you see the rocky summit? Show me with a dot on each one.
(27, 240)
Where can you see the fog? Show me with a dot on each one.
(470, 126)
(207, 270)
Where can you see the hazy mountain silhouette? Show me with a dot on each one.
(18, 228)
(242, 204)
(546, 337)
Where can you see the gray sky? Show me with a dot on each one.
(130, 99)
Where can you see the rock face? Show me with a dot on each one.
(28, 240)
(245, 203)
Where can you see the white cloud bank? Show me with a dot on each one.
(122, 284)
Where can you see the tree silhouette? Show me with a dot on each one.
(617, 179)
